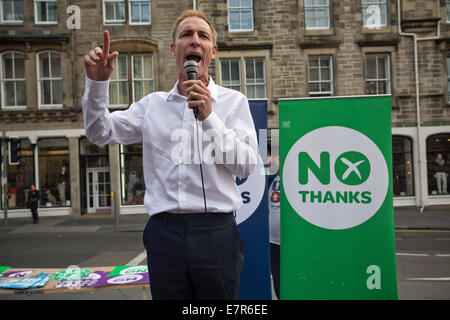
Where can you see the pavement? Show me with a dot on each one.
(87, 223)
(405, 218)
(432, 218)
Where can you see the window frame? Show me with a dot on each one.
(448, 76)
(123, 171)
(113, 22)
(383, 5)
(240, 75)
(327, 6)
(26, 165)
(255, 84)
(447, 11)
(377, 80)
(239, 10)
(62, 152)
(127, 79)
(405, 154)
(130, 21)
(431, 151)
(39, 79)
(142, 79)
(2, 81)
(36, 21)
(320, 81)
(10, 22)
(242, 72)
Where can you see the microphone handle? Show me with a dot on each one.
(193, 76)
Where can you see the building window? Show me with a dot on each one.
(11, 11)
(320, 75)
(438, 155)
(255, 78)
(142, 65)
(45, 11)
(378, 74)
(230, 71)
(140, 11)
(240, 15)
(448, 76)
(49, 80)
(447, 10)
(54, 172)
(132, 174)
(20, 176)
(118, 85)
(402, 166)
(374, 13)
(13, 81)
(252, 83)
(317, 14)
(113, 12)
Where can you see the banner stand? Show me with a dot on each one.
(337, 216)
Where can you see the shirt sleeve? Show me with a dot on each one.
(235, 143)
(104, 127)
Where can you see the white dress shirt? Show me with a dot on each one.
(167, 128)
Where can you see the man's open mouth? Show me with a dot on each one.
(194, 57)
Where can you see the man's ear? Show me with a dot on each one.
(214, 51)
(172, 49)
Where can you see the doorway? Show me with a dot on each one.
(98, 189)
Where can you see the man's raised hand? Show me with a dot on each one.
(98, 63)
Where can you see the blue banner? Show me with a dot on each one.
(253, 222)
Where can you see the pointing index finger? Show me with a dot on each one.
(106, 40)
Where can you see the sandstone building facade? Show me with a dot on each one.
(268, 49)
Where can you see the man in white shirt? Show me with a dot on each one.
(194, 249)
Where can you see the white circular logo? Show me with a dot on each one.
(335, 177)
(252, 191)
(125, 279)
(133, 270)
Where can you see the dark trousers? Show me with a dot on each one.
(34, 213)
(275, 267)
(194, 256)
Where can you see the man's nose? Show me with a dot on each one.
(195, 40)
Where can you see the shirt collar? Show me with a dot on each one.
(211, 86)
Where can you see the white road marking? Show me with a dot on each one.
(422, 254)
(138, 259)
(429, 279)
(412, 254)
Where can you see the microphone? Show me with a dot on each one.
(191, 68)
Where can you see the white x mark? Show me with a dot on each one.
(352, 167)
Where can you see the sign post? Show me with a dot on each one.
(4, 181)
(337, 218)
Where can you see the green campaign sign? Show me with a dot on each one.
(337, 216)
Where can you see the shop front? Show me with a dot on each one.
(76, 177)
(43, 162)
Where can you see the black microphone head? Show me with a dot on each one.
(191, 68)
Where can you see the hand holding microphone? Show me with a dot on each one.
(199, 97)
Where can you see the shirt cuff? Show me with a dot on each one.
(97, 85)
